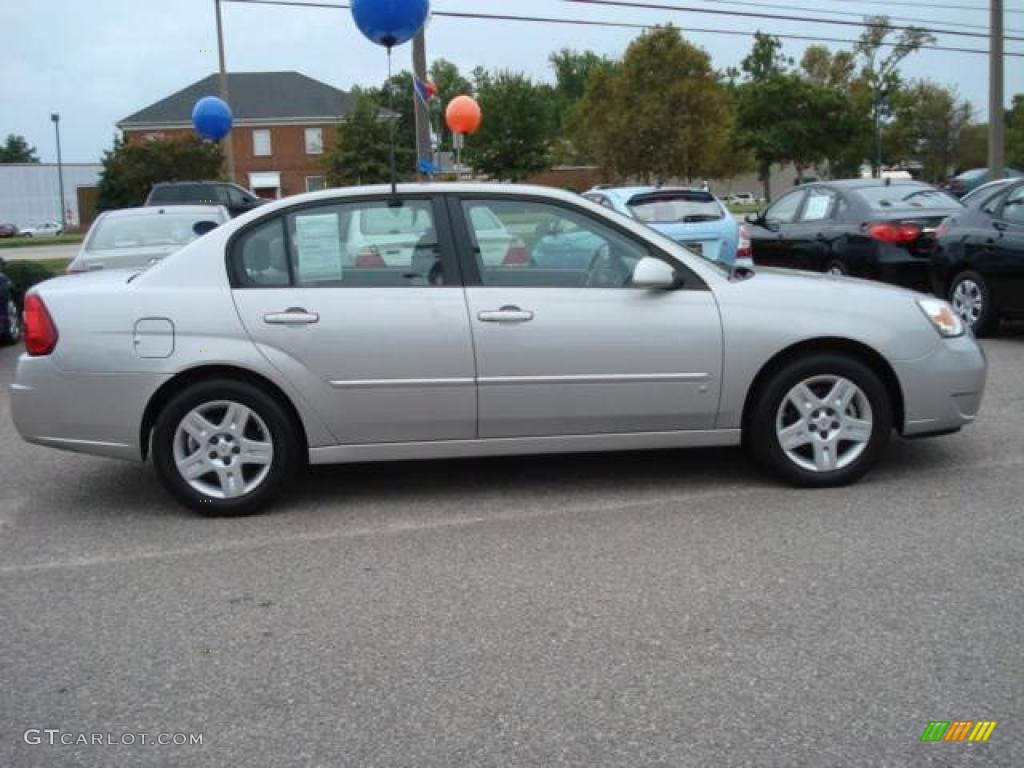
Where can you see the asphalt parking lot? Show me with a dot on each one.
(647, 609)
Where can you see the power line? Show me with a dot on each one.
(767, 16)
(610, 24)
(927, 5)
(853, 14)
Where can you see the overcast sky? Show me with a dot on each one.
(96, 62)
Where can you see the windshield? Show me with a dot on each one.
(884, 197)
(977, 173)
(143, 231)
(673, 207)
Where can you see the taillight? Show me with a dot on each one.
(898, 234)
(40, 330)
(370, 257)
(517, 255)
(744, 249)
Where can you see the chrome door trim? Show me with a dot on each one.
(401, 383)
(596, 378)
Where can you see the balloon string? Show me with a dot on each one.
(391, 122)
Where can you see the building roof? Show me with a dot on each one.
(255, 97)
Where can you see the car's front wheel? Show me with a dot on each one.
(821, 421)
(225, 447)
(972, 301)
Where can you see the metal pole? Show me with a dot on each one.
(229, 152)
(60, 171)
(419, 71)
(878, 139)
(996, 116)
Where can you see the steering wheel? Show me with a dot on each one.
(606, 269)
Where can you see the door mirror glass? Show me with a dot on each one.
(654, 273)
(754, 218)
(200, 228)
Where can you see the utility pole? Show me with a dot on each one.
(55, 117)
(229, 152)
(419, 71)
(996, 116)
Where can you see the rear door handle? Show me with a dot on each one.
(292, 316)
(507, 314)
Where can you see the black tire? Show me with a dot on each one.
(988, 319)
(836, 267)
(284, 433)
(762, 434)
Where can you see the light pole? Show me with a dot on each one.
(996, 118)
(55, 117)
(229, 149)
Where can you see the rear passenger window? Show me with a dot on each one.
(260, 257)
(818, 206)
(366, 244)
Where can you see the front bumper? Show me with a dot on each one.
(97, 413)
(942, 391)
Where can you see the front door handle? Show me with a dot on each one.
(507, 314)
(292, 316)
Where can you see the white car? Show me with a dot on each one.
(44, 229)
(743, 198)
(136, 238)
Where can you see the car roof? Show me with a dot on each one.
(197, 181)
(156, 210)
(868, 183)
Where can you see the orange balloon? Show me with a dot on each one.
(463, 115)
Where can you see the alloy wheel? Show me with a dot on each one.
(968, 301)
(13, 321)
(824, 423)
(223, 449)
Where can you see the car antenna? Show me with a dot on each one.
(393, 202)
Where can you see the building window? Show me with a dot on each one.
(315, 183)
(314, 141)
(261, 142)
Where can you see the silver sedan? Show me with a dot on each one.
(309, 331)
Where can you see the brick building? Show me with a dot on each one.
(282, 123)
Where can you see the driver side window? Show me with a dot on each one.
(534, 244)
(784, 211)
(1013, 208)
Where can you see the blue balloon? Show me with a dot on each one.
(211, 118)
(390, 22)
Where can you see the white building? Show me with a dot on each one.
(30, 192)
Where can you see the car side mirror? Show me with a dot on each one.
(754, 218)
(654, 273)
(202, 227)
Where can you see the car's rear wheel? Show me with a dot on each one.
(12, 334)
(971, 298)
(821, 421)
(225, 447)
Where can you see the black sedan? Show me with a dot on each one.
(978, 263)
(881, 229)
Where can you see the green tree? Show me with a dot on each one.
(971, 148)
(662, 112)
(926, 126)
(131, 169)
(360, 153)
(880, 71)
(1015, 133)
(824, 68)
(518, 128)
(16, 149)
(396, 96)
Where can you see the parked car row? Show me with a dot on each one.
(905, 233)
(41, 229)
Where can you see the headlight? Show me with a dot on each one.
(942, 317)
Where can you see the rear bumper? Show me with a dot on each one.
(92, 413)
(943, 390)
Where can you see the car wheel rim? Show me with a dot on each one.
(13, 321)
(968, 301)
(223, 449)
(824, 423)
